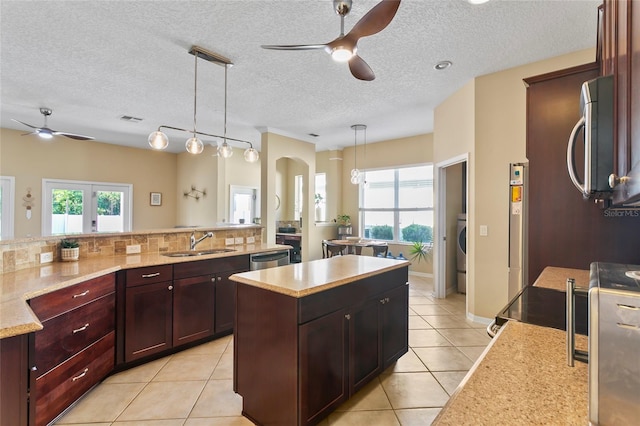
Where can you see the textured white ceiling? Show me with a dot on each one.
(93, 61)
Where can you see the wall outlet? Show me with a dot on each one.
(484, 230)
(251, 240)
(239, 240)
(228, 241)
(133, 249)
(46, 257)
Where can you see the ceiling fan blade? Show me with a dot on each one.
(360, 69)
(21, 122)
(73, 136)
(294, 46)
(27, 134)
(376, 19)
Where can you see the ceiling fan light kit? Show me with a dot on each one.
(158, 139)
(344, 47)
(45, 132)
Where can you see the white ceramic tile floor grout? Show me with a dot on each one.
(182, 390)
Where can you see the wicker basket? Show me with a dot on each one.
(70, 254)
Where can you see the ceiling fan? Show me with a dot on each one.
(47, 133)
(344, 48)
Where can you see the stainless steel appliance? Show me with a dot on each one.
(614, 344)
(517, 228)
(596, 103)
(461, 253)
(269, 260)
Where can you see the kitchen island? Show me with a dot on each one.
(308, 336)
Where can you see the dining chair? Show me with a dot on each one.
(380, 250)
(334, 249)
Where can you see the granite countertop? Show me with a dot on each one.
(17, 287)
(556, 278)
(522, 378)
(303, 279)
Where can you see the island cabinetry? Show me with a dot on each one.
(76, 347)
(14, 385)
(316, 351)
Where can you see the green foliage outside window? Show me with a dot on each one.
(382, 232)
(67, 202)
(415, 232)
(109, 203)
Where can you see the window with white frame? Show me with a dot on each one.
(298, 199)
(75, 207)
(7, 195)
(321, 197)
(396, 205)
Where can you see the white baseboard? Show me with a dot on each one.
(478, 319)
(421, 274)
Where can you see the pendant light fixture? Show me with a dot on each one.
(356, 176)
(158, 140)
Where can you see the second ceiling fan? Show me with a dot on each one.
(344, 48)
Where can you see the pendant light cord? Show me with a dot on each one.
(225, 101)
(195, 94)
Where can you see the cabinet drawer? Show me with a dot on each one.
(148, 275)
(50, 305)
(60, 387)
(211, 266)
(67, 334)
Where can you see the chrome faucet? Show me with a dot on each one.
(195, 242)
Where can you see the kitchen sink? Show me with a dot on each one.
(197, 252)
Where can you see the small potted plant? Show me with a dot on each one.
(69, 250)
(419, 251)
(344, 220)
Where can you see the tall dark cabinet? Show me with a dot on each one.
(564, 229)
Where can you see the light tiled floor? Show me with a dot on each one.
(194, 387)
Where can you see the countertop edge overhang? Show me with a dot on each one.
(16, 288)
(306, 278)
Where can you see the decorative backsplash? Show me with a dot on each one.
(23, 254)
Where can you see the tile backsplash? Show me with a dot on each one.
(23, 254)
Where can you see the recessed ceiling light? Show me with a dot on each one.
(477, 1)
(442, 65)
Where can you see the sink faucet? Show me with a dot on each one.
(195, 242)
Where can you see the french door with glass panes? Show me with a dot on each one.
(74, 207)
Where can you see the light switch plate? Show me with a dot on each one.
(133, 249)
(251, 240)
(484, 230)
(239, 240)
(228, 241)
(46, 257)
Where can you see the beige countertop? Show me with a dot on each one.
(17, 287)
(303, 279)
(556, 278)
(522, 378)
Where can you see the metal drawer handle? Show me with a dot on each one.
(628, 326)
(81, 375)
(348, 316)
(630, 307)
(84, 293)
(83, 328)
(155, 274)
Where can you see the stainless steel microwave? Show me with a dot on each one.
(596, 128)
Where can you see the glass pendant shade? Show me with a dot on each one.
(194, 145)
(158, 140)
(355, 172)
(225, 150)
(251, 155)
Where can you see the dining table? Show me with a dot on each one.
(356, 245)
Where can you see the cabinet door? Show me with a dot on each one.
(148, 319)
(225, 302)
(15, 377)
(323, 365)
(193, 308)
(395, 324)
(365, 360)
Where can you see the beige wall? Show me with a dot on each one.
(486, 119)
(393, 153)
(30, 160)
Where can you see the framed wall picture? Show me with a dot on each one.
(156, 199)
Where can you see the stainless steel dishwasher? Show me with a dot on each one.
(269, 260)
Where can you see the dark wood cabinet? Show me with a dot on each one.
(193, 308)
(225, 308)
(565, 230)
(621, 57)
(14, 383)
(339, 339)
(76, 347)
(148, 320)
